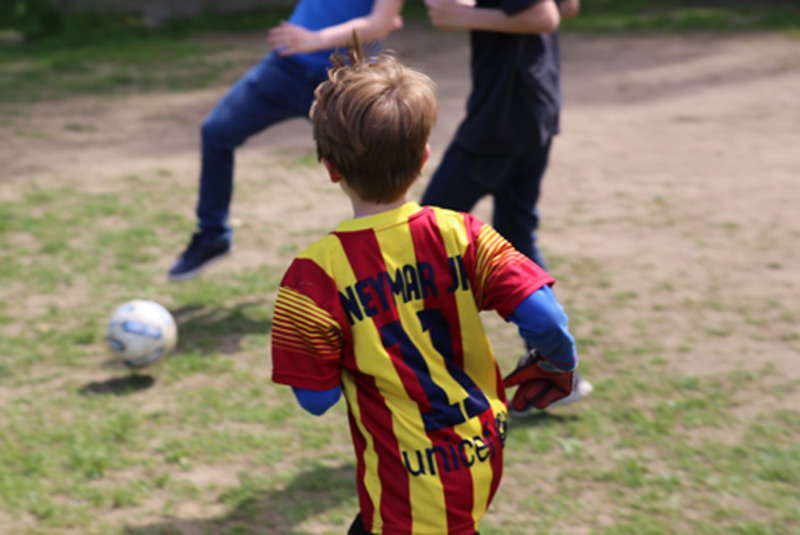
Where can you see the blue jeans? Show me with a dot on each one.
(514, 181)
(272, 91)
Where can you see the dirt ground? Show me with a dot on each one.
(677, 165)
(671, 201)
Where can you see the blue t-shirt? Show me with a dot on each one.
(516, 93)
(318, 14)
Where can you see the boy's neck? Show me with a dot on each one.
(363, 208)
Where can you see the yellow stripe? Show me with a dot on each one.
(330, 255)
(477, 351)
(303, 306)
(475, 343)
(426, 493)
(292, 311)
(426, 500)
(370, 458)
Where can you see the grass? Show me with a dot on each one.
(106, 54)
(146, 65)
(668, 452)
(204, 443)
(686, 15)
(88, 53)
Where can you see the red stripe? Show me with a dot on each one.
(487, 418)
(508, 276)
(364, 254)
(359, 445)
(429, 247)
(322, 290)
(470, 263)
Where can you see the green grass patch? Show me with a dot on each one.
(685, 16)
(88, 447)
(82, 437)
(104, 54)
(156, 63)
(73, 53)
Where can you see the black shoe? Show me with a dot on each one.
(201, 252)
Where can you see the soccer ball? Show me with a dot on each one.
(141, 332)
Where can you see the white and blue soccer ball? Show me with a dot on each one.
(141, 332)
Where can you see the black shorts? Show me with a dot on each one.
(357, 527)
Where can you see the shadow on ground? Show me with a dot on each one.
(118, 386)
(541, 419)
(204, 329)
(270, 512)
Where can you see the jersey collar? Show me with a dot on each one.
(383, 219)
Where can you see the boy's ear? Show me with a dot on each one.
(332, 171)
(427, 154)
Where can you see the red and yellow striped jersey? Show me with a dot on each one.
(388, 306)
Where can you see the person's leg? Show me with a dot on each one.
(357, 527)
(516, 216)
(272, 91)
(451, 185)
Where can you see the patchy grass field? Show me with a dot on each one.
(669, 220)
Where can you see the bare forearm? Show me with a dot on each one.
(369, 28)
(288, 38)
(542, 17)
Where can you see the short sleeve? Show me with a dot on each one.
(307, 341)
(512, 7)
(504, 277)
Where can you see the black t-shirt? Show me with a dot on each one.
(516, 91)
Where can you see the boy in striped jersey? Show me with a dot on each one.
(386, 310)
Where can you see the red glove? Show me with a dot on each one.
(538, 387)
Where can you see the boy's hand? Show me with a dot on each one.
(397, 23)
(538, 386)
(289, 38)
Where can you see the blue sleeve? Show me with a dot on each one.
(317, 401)
(543, 323)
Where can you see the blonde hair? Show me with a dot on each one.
(371, 120)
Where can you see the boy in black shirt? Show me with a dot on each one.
(502, 146)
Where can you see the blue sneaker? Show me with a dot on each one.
(201, 252)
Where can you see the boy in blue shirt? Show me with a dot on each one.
(278, 88)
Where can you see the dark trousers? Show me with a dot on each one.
(357, 528)
(514, 181)
(274, 90)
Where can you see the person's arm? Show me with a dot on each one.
(541, 17)
(317, 401)
(307, 340)
(569, 8)
(385, 18)
(543, 323)
(545, 375)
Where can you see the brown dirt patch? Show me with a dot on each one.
(670, 202)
